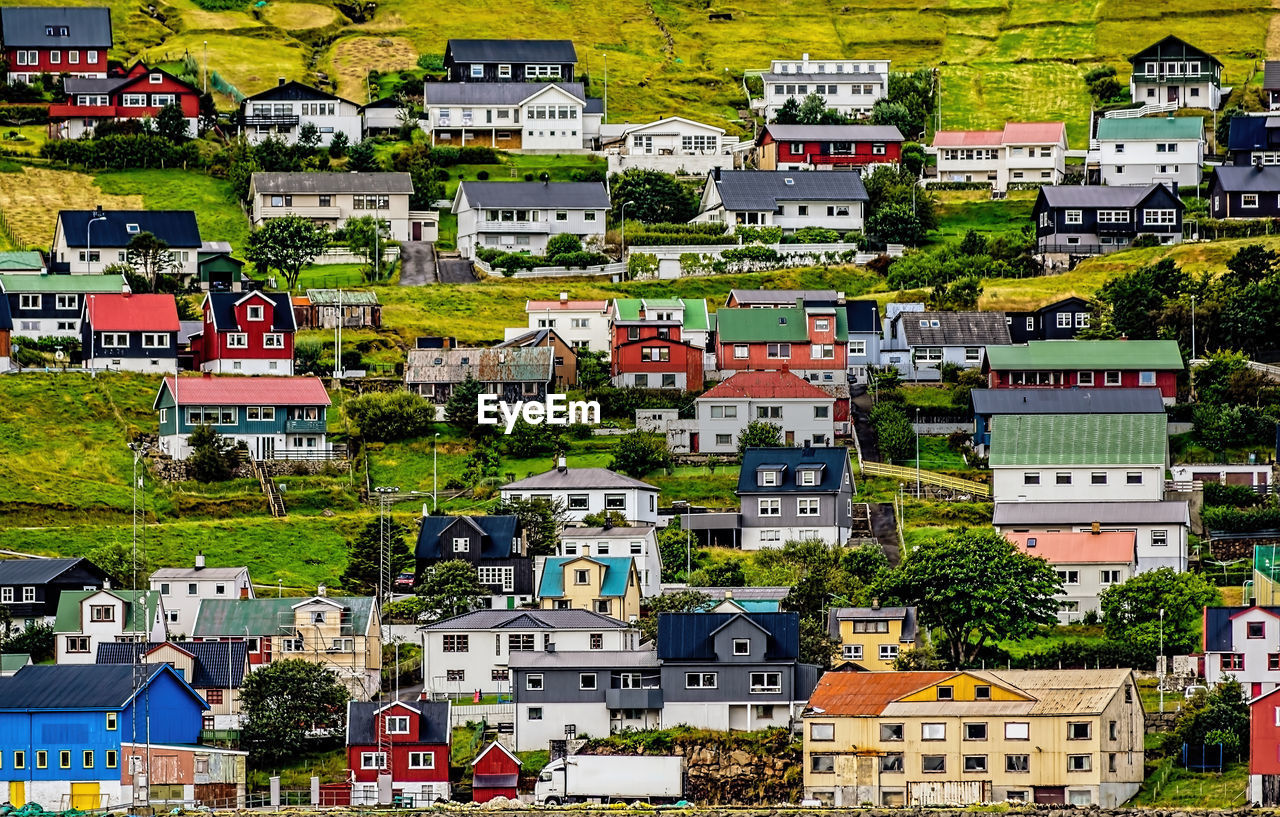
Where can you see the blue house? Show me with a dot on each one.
(66, 731)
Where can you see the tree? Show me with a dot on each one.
(640, 453)
(897, 187)
(593, 370)
(655, 197)
(338, 145)
(924, 657)
(291, 707)
(367, 237)
(816, 646)
(116, 558)
(1130, 305)
(977, 588)
(1222, 135)
(1217, 715)
(171, 124)
(675, 547)
(450, 589)
(814, 111)
(389, 416)
(681, 601)
(364, 556)
(36, 639)
(308, 137)
(213, 458)
(914, 158)
(563, 244)
(287, 244)
(896, 224)
(759, 434)
(149, 255)
(788, 113)
(897, 115)
(527, 441)
(605, 519)
(1252, 264)
(727, 573)
(541, 521)
(361, 158)
(276, 155)
(462, 409)
(1131, 611)
(961, 294)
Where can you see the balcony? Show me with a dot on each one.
(487, 226)
(298, 210)
(304, 426)
(633, 698)
(271, 120)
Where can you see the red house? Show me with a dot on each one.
(658, 343)
(495, 773)
(245, 333)
(1065, 364)
(138, 93)
(828, 147)
(811, 341)
(398, 752)
(1264, 749)
(55, 40)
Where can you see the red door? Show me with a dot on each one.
(1256, 690)
(417, 231)
(1173, 93)
(693, 442)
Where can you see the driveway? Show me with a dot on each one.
(455, 270)
(417, 263)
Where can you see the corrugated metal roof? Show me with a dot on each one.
(834, 463)
(583, 658)
(38, 571)
(1151, 127)
(837, 133)
(517, 364)
(954, 328)
(199, 572)
(867, 693)
(566, 195)
(907, 615)
(1129, 355)
(1247, 179)
(72, 686)
(1031, 514)
(292, 91)
(302, 182)
(20, 260)
(784, 323)
(347, 297)
(576, 478)
(694, 317)
(763, 189)
(233, 390)
(1067, 401)
(527, 620)
(223, 308)
(433, 721)
(497, 535)
(486, 50)
(617, 571)
(216, 665)
(1079, 439)
(265, 617)
(967, 138)
(494, 93)
(62, 283)
(132, 313)
(689, 636)
(139, 605)
(1084, 547)
(25, 26)
(1094, 195)
(620, 532)
(177, 227)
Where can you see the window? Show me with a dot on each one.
(42, 759)
(933, 731)
(1017, 763)
(422, 760)
(273, 340)
(975, 763)
(155, 340)
(499, 675)
(1017, 730)
(1062, 478)
(766, 682)
(1109, 576)
(586, 680)
(1111, 378)
(29, 301)
(456, 643)
(1031, 478)
(102, 612)
(1079, 763)
(822, 731)
(64, 759)
(1159, 216)
(520, 642)
(77, 643)
(1248, 199)
(808, 506)
(933, 764)
(888, 652)
(890, 732)
(533, 681)
(778, 350)
(770, 507)
(112, 721)
(975, 731)
(1232, 661)
(615, 502)
(112, 759)
(535, 713)
(373, 760)
(1069, 576)
(237, 340)
(1079, 730)
(1159, 538)
(115, 340)
(213, 696)
(724, 439)
(582, 577)
(945, 693)
(1133, 477)
(723, 412)
(973, 354)
(1073, 217)
(397, 724)
(700, 680)
(19, 760)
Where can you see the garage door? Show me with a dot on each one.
(84, 796)
(1051, 794)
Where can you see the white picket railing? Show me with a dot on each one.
(618, 268)
(1148, 108)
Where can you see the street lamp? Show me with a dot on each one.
(623, 256)
(917, 452)
(98, 215)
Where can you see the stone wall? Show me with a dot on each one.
(171, 470)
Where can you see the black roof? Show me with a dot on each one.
(41, 571)
(1094, 195)
(1067, 401)
(1172, 46)
(67, 686)
(834, 462)
(293, 91)
(763, 189)
(863, 316)
(1217, 626)
(1248, 132)
(1247, 178)
(497, 535)
(689, 636)
(223, 305)
(217, 664)
(26, 26)
(362, 721)
(177, 227)
(1271, 75)
(513, 51)
(6, 319)
(581, 195)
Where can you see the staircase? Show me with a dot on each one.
(275, 502)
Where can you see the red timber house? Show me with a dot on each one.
(495, 773)
(398, 752)
(57, 40)
(659, 343)
(1065, 364)
(245, 333)
(1264, 749)
(136, 94)
(828, 147)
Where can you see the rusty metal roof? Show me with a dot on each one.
(867, 693)
(505, 365)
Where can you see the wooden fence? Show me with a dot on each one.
(905, 474)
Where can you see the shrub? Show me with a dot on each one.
(482, 175)
(388, 416)
(1241, 520)
(812, 235)
(1235, 496)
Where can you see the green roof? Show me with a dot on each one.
(14, 661)
(1079, 439)
(67, 619)
(695, 310)
(62, 283)
(1162, 355)
(265, 617)
(616, 571)
(20, 260)
(785, 323)
(1152, 127)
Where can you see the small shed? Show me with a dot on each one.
(358, 309)
(495, 773)
(11, 662)
(219, 272)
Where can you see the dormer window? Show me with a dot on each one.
(581, 577)
(808, 477)
(822, 325)
(768, 478)
(461, 544)
(255, 313)
(132, 229)
(155, 78)
(742, 646)
(397, 724)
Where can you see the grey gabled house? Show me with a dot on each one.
(1091, 220)
(795, 494)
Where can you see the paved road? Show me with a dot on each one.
(417, 263)
(456, 271)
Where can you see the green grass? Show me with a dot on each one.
(1053, 636)
(323, 276)
(329, 766)
(514, 166)
(926, 397)
(936, 455)
(960, 211)
(1183, 789)
(219, 216)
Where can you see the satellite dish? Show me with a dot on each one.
(59, 355)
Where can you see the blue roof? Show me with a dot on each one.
(217, 664)
(863, 316)
(690, 636)
(1247, 133)
(497, 535)
(616, 571)
(73, 686)
(1217, 626)
(23, 26)
(834, 462)
(223, 305)
(177, 227)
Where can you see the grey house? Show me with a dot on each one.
(918, 343)
(794, 494)
(509, 60)
(513, 374)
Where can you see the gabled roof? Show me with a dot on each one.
(907, 615)
(834, 463)
(216, 664)
(954, 328)
(345, 297)
(137, 75)
(784, 323)
(223, 308)
(527, 620)
(1247, 178)
(1093, 195)
(1217, 625)
(42, 571)
(1033, 514)
(305, 183)
(1129, 355)
(1151, 127)
(499, 747)
(214, 573)
(494, 93)
(1174, 46)
(137, 604)
(65, 284)
(293, 91)
(1013, 133)
(513, 51)
(433, 721)
(617, 572)
(76, 686)
(617, 532)
(517, 364)
(583, 659)
(20, 260)
(569, 195)
(782, 297)
(11, 662)
(302, 390)
(132, 313)
(765, 385)
(497, 535)
(265, 617)
(690, 636)
(25, 26)
(835, 133)
(569, 479)
(177, 227)
(1079, 439)
(763, 189)
(866, 693)
(967, 138)
(1067, 401)
(1249, 132)
(1084, 547)
(554, 306)
(695, 315)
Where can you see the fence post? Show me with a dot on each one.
(275, 791)
(315, 791)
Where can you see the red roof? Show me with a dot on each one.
(110, 312)
(1068, 547)
(770, 385)
(544, 306)
(1039, 133)
(234, 390)
(966, 138)
(868, 693)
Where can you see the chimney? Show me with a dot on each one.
(800, 301)
(875, 603)
(585, 549)
(715, 172)
(280, 81)
(1096, 528)
(208, 375)
(322, 591)
(546, 179)
(564, 297)
(728, 595)
(840, 298)
(562, 465)
(125, 290)
(200, 560)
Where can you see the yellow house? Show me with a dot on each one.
(871, 637)
(602, 584)
(958, 738)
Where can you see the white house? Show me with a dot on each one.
(586, 491)
(1030, 152)
(917, 342)
(386, 115)
(1160, 527)
(529, 117)
(332, 198)
(1150, 150)
(522, 216)
(87, 618)
(471, 651)
(786, 199)
(1239, 643)
(182, 589)
(1088, 563)
(88, 241)
(851, 86)
(282, 111)
(670, 145)
(639, 542)
(804, 413)
(583, 324)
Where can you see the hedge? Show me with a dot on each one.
(959, 185)
(648, 239)
(24, 114)
(1240, 520)
(121, 151)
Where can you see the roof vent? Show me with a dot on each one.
(200, 560)
(788, 180)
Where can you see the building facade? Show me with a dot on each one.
(794, 494)
(1087, 364)
(608, 585)
(31, 589)
(585, 491)
(785, 199)
(1088, 563)
(250, 333)
(639, 542)
(1021, 153)
(670, 145)
(398, 752)
(871, 638)
(828, 147)
(183, 588)
(1091, 220)
(1172, 71)
(1151, 150)
(137, 94)
(492, 544)
(804, 413)
(88, 241)
(283, 111)
(850, 86)
(55, 40)
(334, 198)
(522, 216)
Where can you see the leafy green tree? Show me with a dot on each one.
(541, 521)
(563, 244)
(527, 441)
(726, 573)
(364, 556)
(593, 370)
(1226, 379)
(915, 92)
(600, 519)
(287, 244)
(977, 588)
(275, 155)
(338, 145)
(1221, 136)
(36, 639)
(116, 558)
(682, 601)
(656, 197)
(889, 186)
(1131, 611)
(308, 137)
(462, 409)
(361, 157)
(924, 657)
(389, 416)
(759, 434)
(1252, 264)
(816, 646)
(897, 115)
(895, 435)
(149, 255)
(814, 111)
(640, 453)
(172, 124)
(675, 546)
(1130, 305)
(450, 589)
(213, 458)
(788, 113)
(367, 237)
(288, 703)
(896, 224)
(481, 466)
(1217, 715)
(961, 294)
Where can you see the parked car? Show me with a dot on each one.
(404, 581)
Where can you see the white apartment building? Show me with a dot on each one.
(282, 111)
(522, 216)
(1150, 150)
(851, 86)
(585, 491)
(804, 413)
(332, 198)
(670, 145)
(584, 325)
(639, 542)
(786, 199)
(530, 117)
(1023, 152)
(183, 588)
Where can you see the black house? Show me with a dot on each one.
(491, 543)
(510, 60)
(1091, 220)
(1060, 320)
(1254, 140)
(1245, 192)
(30, 588)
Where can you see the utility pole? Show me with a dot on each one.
(435, 443)
(1161, 668)
(1193, 348)
(606, 88)
(384, 529)
(917, 452)
(206, 66)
